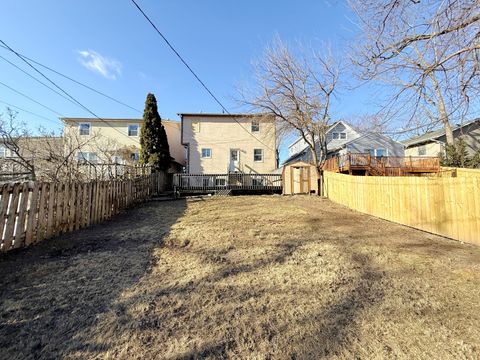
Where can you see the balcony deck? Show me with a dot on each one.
(365, 164)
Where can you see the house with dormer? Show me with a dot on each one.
(342, 139)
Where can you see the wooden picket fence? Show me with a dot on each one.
(32, 211)
(448, 206)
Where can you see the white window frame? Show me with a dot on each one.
(128, 130)
(80, 128)
(261, 153)
(335, 136)
(206, 157)
(255, 126)
(343, 136)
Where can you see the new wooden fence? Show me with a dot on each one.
(32, 211)
(448, 206)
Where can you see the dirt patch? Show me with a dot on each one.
(242, 277)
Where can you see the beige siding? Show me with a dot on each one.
(221, 134)
(431, 149)
(109, 136)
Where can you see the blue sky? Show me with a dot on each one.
(109, 45)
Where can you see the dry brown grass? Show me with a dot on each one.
(242, 277)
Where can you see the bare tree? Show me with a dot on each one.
(47, 156)
(11, 132)
(429, 50)
(297, 88)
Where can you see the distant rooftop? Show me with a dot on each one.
(433, 135)
(221, 114)
(109, 119)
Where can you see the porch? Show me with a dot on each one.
(227, 183)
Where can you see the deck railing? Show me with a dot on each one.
(386, 165)
(233, 181)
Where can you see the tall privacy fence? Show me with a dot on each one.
(448, 206)
(33, 211)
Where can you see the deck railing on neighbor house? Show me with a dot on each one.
(233, 181)
(384, 165)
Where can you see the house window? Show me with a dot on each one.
(335, 136)
(255, 126)
(135, 156)
(206, 153)
(3, 152)
(369, 151)
(380, 152)
(133, 130)
(84, 129)
(87, 157)
(422, 150)
(92, 157)
(257, 155)
(220, 182)
(195, 126)
(343, 136)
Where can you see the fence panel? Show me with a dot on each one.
(440, 205)
(31, 212)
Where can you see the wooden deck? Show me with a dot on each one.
(227, 183)
(365, 164)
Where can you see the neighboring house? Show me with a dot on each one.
(228, 143)
(29, 154)
(433, 143)
(116, 140)
(342, 139)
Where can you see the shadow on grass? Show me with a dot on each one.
(52, 293)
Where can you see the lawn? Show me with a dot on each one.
(265, 277)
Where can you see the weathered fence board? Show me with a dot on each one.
(31, 212)
(448, 206)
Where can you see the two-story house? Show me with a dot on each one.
(228, 143)
(342, 139)
(115, 140)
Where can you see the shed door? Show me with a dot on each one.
(300, 180)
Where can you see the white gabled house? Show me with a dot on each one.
(342, 139)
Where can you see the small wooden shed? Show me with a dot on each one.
(299, 178)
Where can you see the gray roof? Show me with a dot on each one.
(433, 135)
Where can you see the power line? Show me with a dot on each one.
(34, 78)
(68, 78)
(31, 99)
(28, 111)
(193, 72)
(63, 91)
(75, 81)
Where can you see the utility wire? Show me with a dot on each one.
(29, 112)
(34, 78)
(68, 78)
(193, 72)
(75, 81)
(65, 92)
(31, 99)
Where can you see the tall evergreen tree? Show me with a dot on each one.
(153, 138)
